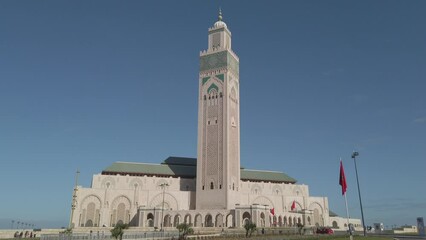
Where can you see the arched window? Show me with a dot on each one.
(211, 185)
(150, 220)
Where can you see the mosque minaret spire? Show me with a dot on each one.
(218, 157)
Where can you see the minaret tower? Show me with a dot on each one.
(218, 160)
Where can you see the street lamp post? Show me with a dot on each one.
(154, 219)
(264, 220)
(354, 155)
(163, 186)
(251, 214)
(74, 199)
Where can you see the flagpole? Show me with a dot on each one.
(347, 217)
(342, 182)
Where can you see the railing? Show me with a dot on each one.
(107, 236)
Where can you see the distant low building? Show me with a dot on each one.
(378, 227)
(405, 229)
(341, 223)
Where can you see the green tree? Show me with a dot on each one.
(68, 231)
(184, 230)
(250, 228)
(118, 230)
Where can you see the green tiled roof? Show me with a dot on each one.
(180, 161)
(260, 175)
(187, 168)
(332, 214)
(151, 169)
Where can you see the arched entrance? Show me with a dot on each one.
(176, 220)
(208, 221)
(89, 223)
(229, 220)
(197, 222)
(150, 220)
(167, 221)
(246, 218)
(187, 219)
(219, 220)
(317, 217)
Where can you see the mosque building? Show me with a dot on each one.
(212, 190)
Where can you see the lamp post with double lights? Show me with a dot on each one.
(163, 186)
(354, 155)
(74, 200)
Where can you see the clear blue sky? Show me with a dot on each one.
(86, 83)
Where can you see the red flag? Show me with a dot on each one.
(272, 211)
(293, 206)
(342, 179)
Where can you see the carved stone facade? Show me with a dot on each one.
(138, 200)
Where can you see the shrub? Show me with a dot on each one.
(118, 230)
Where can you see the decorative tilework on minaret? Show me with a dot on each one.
(218, 166)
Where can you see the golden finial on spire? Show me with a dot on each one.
(220, 14)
